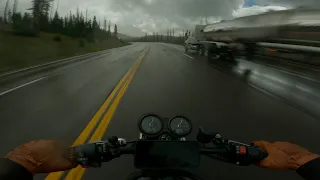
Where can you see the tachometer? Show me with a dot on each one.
(180, 126)
(150, 124)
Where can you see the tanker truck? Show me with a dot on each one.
(287, 29)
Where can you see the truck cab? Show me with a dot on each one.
(196, 41)
(194, 38)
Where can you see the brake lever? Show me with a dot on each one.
(233, 152)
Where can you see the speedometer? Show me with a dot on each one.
(180, 126)
(150, 124)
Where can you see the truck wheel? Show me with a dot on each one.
(231, 56)
(201, 51)
(250, 50)
(212, 50)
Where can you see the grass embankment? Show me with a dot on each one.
(19, 51)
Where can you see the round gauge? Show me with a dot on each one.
(150, 124)
(180, 126)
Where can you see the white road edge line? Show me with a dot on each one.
(188, 56)
(18, 87)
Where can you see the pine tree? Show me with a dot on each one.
(55, 23)
(27, 25)
(9, 18)
(27, 21)
(115, 30)
(105, 24)
(40, 11)
(41, 18)
(109, 28)
(95, 23)
(82, 26)
(69, 28)
(89, 24)
(78, 16)
(16, 21)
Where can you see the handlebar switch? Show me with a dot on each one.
(246, 155)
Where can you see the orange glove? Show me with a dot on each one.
(42, 156)
(284, 155)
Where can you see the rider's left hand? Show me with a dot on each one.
(42, 156)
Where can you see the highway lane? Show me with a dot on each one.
(60, 105)
(295, 84)
(167, 83)
(12, 81)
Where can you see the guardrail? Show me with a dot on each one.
(12, 76)
(53, 63)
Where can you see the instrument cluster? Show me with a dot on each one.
(154, 125)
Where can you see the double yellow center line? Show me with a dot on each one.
(106, 115)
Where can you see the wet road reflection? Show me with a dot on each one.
(295, 90)
(305, 71)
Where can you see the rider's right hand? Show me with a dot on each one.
(284, 155)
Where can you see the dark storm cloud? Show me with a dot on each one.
(158, 15)
(184, 8)
(136, 17)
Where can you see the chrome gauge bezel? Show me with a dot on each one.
(173, 132)
(150, 134)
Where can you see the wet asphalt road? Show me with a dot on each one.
(225, 98)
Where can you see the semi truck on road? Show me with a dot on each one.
(243, 35)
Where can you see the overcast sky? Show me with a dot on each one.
(136, 17)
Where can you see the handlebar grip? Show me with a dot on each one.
(87, 155)
(256, 154)
(89, 150)
(246, 155)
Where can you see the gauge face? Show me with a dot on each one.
(151, 125)
(180, 126)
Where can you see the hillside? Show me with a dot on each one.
(19, 51)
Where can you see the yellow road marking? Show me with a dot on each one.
(88, 129)
(77, 173)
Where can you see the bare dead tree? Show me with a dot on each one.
(86, 14)
(5, 15)
(15, 5)
(105, 24)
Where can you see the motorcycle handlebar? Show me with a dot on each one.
(127, 150)
(93, 154)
